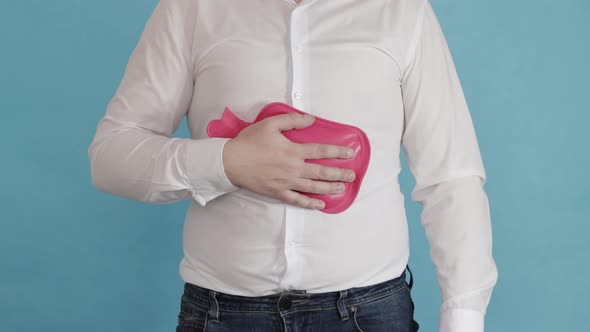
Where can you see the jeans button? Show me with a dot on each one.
(285, 303)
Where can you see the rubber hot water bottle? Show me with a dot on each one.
(321, 131)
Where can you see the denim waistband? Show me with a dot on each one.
(293, 300)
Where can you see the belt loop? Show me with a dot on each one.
(214, 310)
(411, 276)
(341, 306)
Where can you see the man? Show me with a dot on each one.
(259, 255)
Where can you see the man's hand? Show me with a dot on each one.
(264, 161)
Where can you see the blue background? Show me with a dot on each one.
(73, 258)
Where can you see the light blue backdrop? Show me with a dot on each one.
(75, 259)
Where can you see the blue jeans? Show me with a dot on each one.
(386, 306)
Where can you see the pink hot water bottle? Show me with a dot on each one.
(321, 131)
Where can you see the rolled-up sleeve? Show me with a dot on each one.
(133, 154)
(443, 155)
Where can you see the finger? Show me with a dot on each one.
(317, 187)
(295, 198)
(291, 120)
(327, 173)
(321, 151)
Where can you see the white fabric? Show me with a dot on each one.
(383, 66)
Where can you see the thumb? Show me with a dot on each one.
(292, 120)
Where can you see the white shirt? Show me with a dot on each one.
(381, 65)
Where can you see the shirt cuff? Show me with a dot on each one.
(205, 170)
(461, 320)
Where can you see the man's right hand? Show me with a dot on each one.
(264, 161)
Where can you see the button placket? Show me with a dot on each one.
(297, 35)
(293, 231)
(294, 215)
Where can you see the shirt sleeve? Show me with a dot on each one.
(133, 154)
(444, 157)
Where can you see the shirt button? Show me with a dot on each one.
(291, 244)
(298, 95)
(298, 49)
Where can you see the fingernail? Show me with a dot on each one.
(320, 206)
(340, 187)
(351, 176)
(308, 117)
(350, 153)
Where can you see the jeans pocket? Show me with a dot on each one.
(394, 312)
(192, 316)
(356, 326)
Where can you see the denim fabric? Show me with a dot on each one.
(386, 306)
